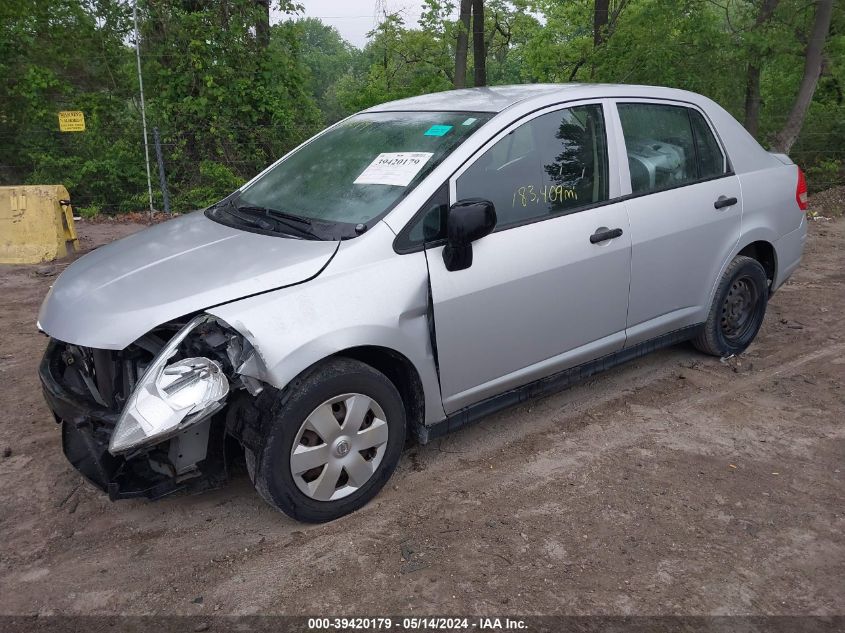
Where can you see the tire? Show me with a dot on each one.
(739, 305)
(300, 434)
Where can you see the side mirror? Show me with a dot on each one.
(468, 220)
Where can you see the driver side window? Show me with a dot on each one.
(554, 164)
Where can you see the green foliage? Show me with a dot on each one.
(90, 212)
(327, 58)
(227, 106)
(397, 62)
(63, 55)
(228, 102)
(215, 182)
(824, 173)
(223, 97)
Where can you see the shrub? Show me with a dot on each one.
(89, 212)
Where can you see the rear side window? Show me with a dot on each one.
(711, 162)
(551, 165)
(668, 146)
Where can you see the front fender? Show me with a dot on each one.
(379, 303)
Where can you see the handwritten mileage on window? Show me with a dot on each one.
(528, 194)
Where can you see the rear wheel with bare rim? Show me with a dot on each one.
(739, 306)
(335, 436)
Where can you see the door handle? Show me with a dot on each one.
(723, 202)
(603, 234)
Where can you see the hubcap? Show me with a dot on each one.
(339, 446)
(739, 308)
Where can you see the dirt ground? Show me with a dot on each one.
(676, 484)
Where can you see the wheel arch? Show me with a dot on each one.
(420, 394)
(400, 371)
(764, 252)
(755, 242)
(246, 422)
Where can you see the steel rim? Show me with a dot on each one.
(339, 447)
(739, 309)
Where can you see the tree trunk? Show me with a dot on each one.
(262, 23)
(462, 46)
(752, 75)
(812, 68)
(752, 99)
(601, 15)
(479, 49)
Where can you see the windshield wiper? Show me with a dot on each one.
(299, 224)
(257, 222)
(276, 213)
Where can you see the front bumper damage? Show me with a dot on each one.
(193, 460)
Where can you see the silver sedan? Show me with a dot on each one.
(409, 270)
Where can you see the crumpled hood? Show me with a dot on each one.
(117, 293)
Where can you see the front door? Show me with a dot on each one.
(540, 295)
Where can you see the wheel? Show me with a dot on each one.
(739, 306)
(335, 436)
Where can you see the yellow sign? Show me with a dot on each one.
(71, 121)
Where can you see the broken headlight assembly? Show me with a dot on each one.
(171, 395)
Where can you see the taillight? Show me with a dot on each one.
(801, 191)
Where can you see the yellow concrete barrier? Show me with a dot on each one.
(36, 224)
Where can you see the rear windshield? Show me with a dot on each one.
(358, 170)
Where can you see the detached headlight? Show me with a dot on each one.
(169, 398)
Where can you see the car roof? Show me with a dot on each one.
(498, 98)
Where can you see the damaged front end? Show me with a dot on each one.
(143, 421)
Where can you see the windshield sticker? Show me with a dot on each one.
(438, 130)
(394, 168)
(469, 121)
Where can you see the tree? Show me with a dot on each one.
(327, 58)
(228, 101)
(471, 10)
(66, 55)
(231, 92)
(578, 31)
(462, 45)
(400, 62)
(601, 14)
(262, 23)
(752, 82)
(812, 69)
(479, 47)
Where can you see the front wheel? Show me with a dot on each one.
(739, 305)
(335, 437)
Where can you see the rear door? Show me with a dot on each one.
(540, 295)
(685, 211)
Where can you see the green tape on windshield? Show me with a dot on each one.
(438, 130)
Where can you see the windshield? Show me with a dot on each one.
(358, 170)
